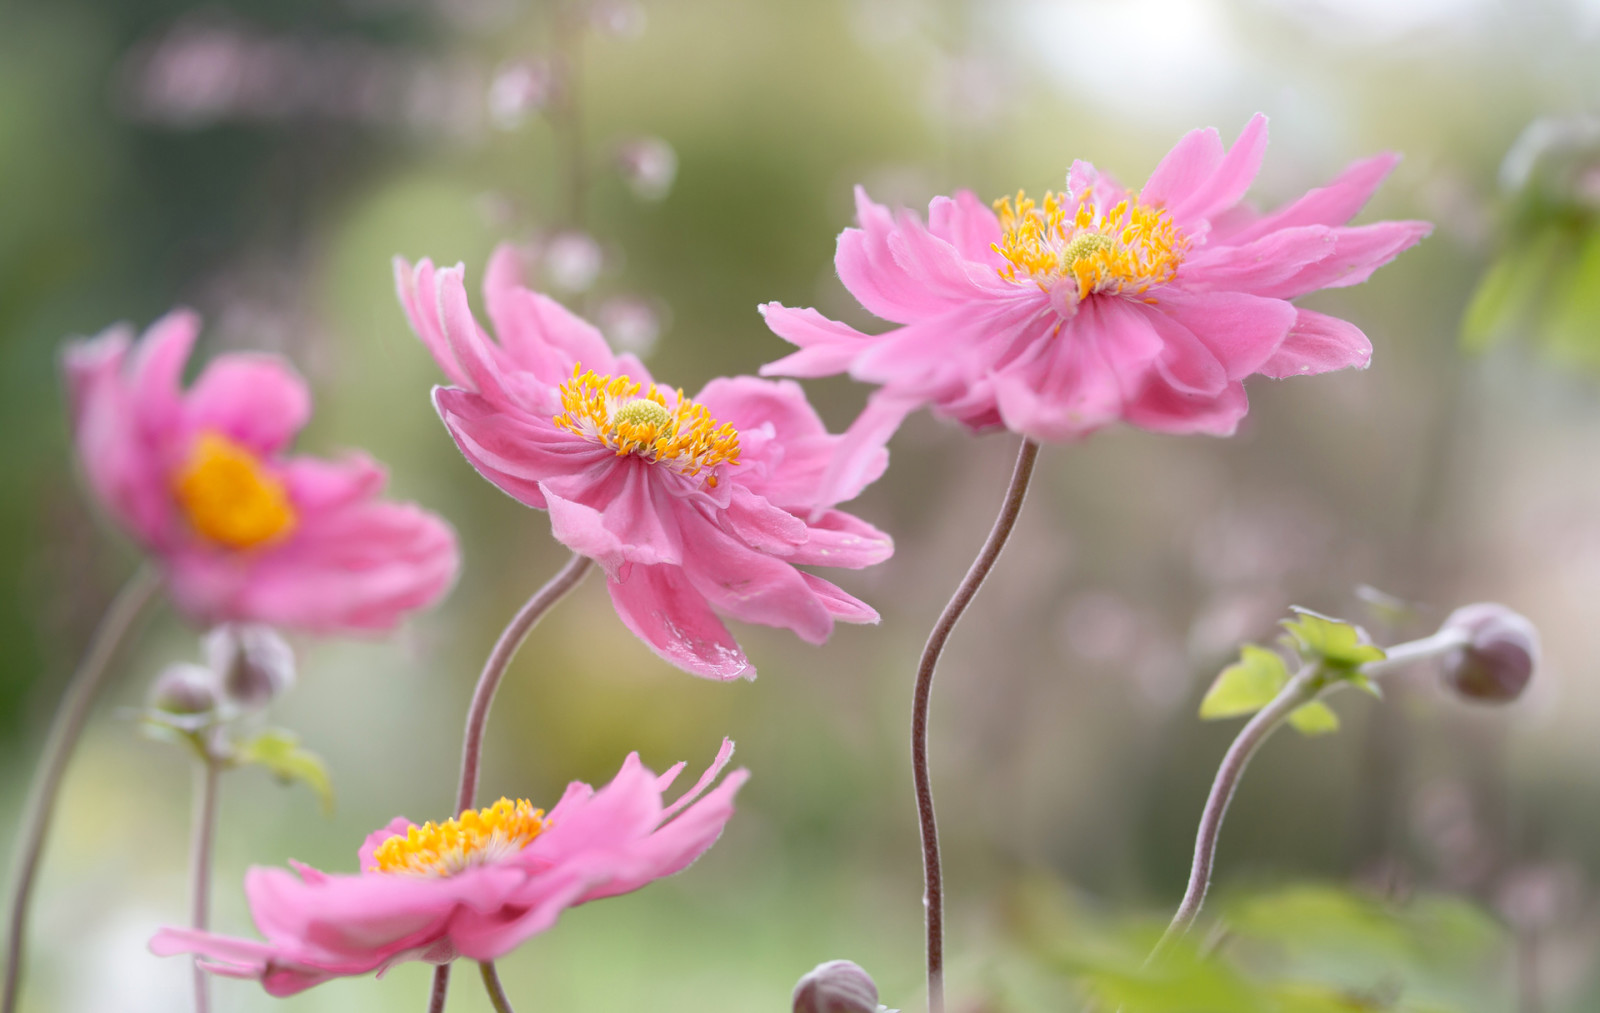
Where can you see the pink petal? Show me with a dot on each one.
(826, 346)
(540, 335)
(1242, 331)
(514, 451)
(317, 484)
(256, 400)
(1334, 204)
(844, 607)
(676, 845)
(1319, 344)
(1357, 252)
(724, 754)
(478, 356)
(397, 827)
(840, 539)
(1227, 185)
(752, 586)
(661, 608)
(967, 224)
(1164, 410)
(1186, 168)
(418, 289)
(155, 370)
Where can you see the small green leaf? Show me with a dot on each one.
(1510, 290)
(279, 752)
(1247, 686)
(1314, 718)
(1334, 642)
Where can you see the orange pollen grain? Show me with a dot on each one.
(476, 837)
(229, 497)
(611, 411)
(1125, 250)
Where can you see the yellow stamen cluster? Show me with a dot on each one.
(475, 837)
(611, 411)
(229, 497)
(1128, 249)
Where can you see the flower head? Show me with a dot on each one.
(693, 506)
(1057, 317)
(243, 531)
(475, 886)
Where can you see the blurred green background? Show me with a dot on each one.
(263, 161)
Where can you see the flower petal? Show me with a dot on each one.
(661, 608)
(1319, 344)
(256, 400)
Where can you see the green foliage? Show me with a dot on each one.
(1247, 686)
(1314, 718)
(278, 750)
(1305, 948)
(1339, 646)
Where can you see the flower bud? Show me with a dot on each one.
(253, 663)
(648, 165)
(838, 986)
(572, 261)
(1499, 655)
(185, 689)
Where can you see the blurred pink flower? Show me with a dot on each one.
(476, 887)
(241, 530)
(688, 505)
(1100, 304)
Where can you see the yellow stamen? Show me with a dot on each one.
(1128, 249)
(475, 837)
(229, 497)
(611, 411)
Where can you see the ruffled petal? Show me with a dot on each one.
(1334, 204)
(840, 539)
(661, 608)
(967, 224)
(1319, 344)
(1241, 331)
(826, 346)
(255, 400)
(1226, 185)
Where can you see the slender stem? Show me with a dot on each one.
(207, 773)
(491, 983)
(494, 669)
(1413, 651)
(65, 729)
(441, 988)
(1297, 691)
(933, 877)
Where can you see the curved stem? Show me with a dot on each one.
(494, 669)
(933, 878)
(207, 774)
(1299, 690)
(65, 729)
(491, 983)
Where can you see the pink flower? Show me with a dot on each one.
(200, 479)
(690, 506)
(1099, 304)
(475, 887)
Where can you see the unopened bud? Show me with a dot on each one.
(648, 166)
(838, 986)
(185, 689)
(253, 663)
(1499, 656)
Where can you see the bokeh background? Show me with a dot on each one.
(675, 162)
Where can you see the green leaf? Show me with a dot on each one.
(1510, 289)
(1334, 642)
(1573, 327)
(1314, 718)
(1247, 686)
(279, 752)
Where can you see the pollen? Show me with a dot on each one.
(229, 497)
(1126, 249)
(613, 412)
(476, 837)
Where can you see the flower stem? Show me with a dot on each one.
(494, 669)
(933, 877)
(65, 730)
(491, 984)
(1297, 691)
(207, 774)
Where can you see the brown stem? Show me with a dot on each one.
(932, 874)
(1299, 690)
(65, 730)
(494, 669)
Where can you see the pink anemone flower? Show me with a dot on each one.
(691, 506)
(476, 886)
(1099, 304)
(242, 531)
